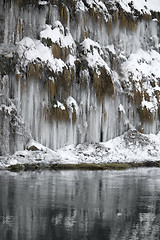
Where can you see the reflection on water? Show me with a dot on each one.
(80, 205)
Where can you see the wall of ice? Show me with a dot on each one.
(76, 71)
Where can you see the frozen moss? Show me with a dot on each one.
(137, 96)
(103, 84)
(145, 114)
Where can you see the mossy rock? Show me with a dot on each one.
(15, 168)
(33, 148)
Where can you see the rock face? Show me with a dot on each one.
(77, 71)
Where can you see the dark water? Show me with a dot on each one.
(80, 205)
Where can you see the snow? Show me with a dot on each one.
(132, 146)
(57, 35)
(93, 52)
(143, 67)
(8, 109)
(80, 6)
(59, 105)
(72, 104)
(31, 50)
(42, 2)
(143, 6)
(121, 108)
(111, 48)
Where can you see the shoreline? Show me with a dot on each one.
(82, 166)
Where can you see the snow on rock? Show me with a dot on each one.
(31, 50)
(143, 6)
(96, 5)
(32, 145)
(58, 35)
(93, 54)
(59, 105)
(80, 6)
(72, 104)
(142, 70)
(132, 146)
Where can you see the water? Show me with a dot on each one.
(80, 205)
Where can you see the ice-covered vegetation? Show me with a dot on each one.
(78, 71)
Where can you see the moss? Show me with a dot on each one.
(137, 96)
(145, 114)
(59, 89)
(23, 85)
(159, 111)
(53, 112)
(64, 14)
(126, 21)
(103, 84)
(74, 115)
(23, 3)
(85, 34)
(91, 166)
(15, 168)
(115, 16)
(32, 167)
(146, 17)
(92, 12)
(141, 129)
(60, 114)
(153, 84)
(59, 52)
(8, 65)
(157, 92)
(51, 88)
(109, 25)
(47, 41)
(33, 70)
(104, 115)
(56, 50)
(33, 148)
(19, 29)
(83, 166)
(65, 53)
(146, 96)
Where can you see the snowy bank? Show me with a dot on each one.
(130, 148)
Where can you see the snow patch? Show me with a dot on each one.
(143, 6)
(93, 54)
(31, 50)
(58, 35)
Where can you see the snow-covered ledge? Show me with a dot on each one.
(130, 148)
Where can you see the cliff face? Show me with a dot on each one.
(76, 71)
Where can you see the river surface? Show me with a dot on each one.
(79, 205)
